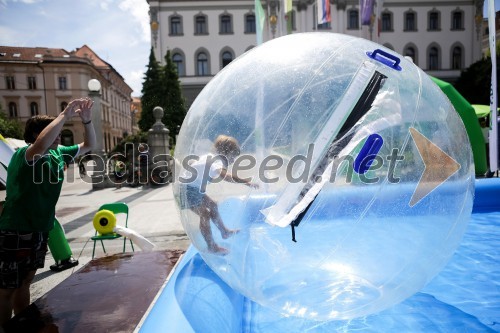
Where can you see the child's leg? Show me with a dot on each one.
(206, 230)
(217, 219)
(214, 213)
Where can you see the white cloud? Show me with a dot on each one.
(135, 79)
(7, 36)
(3, 3)
(28, 2)
(12, 37)
(104, 4)
(139, 10)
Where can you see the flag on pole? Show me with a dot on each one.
(260, 18)
(493, 138)
(288, 15)
(366, 11)
(380, 3)
(323, 11)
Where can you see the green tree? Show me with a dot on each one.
(475, 82)
(10, 128)
(488, 52)
(141, 137)
(151, 93)
(173, 102)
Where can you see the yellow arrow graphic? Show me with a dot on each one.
(439, 166)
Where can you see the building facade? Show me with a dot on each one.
(136, 110)
(443, 37)
(44, 80)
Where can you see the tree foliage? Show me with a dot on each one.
(475, 82)
(151, 93)
(10, 128)
(173, 101)
(488, 52)
(161, 87)
(141, 137)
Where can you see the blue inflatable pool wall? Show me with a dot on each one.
(464, 297)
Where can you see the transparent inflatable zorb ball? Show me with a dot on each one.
(364, 172)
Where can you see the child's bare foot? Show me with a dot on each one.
(216, 249)
(229, 232)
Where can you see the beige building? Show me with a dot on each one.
(443, 37)
(44, 80)
(136, 110)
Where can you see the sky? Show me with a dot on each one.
(485, 7)
(117, 30)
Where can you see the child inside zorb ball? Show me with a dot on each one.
(197, 175)
(364, 168)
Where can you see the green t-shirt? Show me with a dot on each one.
(33, 189)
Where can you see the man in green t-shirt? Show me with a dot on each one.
(34, 181)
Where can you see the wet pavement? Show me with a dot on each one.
(108, 294)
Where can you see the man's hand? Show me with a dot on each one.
(80, 106)
(72, 108)
(85, 109)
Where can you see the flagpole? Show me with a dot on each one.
(360, 18)
(378, 18)
(493, 133)
(268, 19)
(283, 21)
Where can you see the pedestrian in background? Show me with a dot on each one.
(119, 170)
(143, 164)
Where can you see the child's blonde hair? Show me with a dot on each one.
(227, 145)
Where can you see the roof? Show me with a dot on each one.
(15, 53)
(44, 54)
(83, 54)
(88, 53)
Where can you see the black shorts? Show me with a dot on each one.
(119, 176)
(193, 197)
(144, 177)
(20, 253)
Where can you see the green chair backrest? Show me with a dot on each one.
(117, 207)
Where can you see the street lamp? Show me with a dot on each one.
(99, 175)
(273, 15)
(154, 30)
(95, 94)
(94, 85)
(273, 19)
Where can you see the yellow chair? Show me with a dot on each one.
(116, 208)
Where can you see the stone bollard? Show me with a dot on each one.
(159, 150)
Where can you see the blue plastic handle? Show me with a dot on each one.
(368, 153)
(386, 58)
